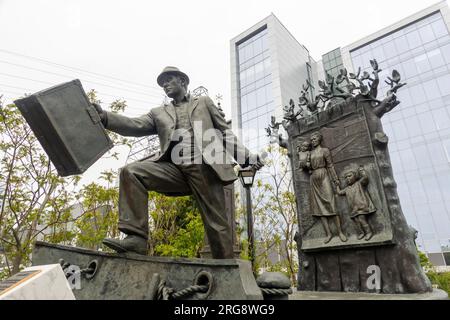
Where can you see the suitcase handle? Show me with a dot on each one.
(93, 114)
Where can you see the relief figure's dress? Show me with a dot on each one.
(322, 199)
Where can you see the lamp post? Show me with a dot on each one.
(247, 176)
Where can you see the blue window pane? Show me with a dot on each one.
(401, 44)
(252, 124)
(251, 100)
(243, 78)
(259, 83)
(405, 98)
(413, 127)
(437, 151)
(426, 33)
(267, 66)
(422, 156)
(257, 47)
(264, 44)
(438, 103)
(251, 74)
(400, 130)
(409, 69)
(241, 54)
(244, 105)
(442, 227)
(416, 188)
(441, 118)
(444, 84)
(252, 114)
(248, 51)
(433, 17)
(427, 123)
(269, 95)
(436, 59)
(446, 145)
(439, 28)
(413, 39)
(426, 224)
(432, 189)
(417, 94)
(260, 96)
(431, 89)
(422, 63)
(357, 61)
(396, 162)
(366, 57)
(259, 70)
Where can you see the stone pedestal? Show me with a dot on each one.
(129, 276)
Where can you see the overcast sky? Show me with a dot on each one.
(46, 42)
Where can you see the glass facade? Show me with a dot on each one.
(255, 90)
(332, 62)
(419, 128)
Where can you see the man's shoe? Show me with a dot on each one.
(131, 243)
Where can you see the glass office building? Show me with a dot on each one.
(255, 87)
(419, 128)
(268, 67)
(332, 62)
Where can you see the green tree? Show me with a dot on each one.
(275, 215)
(34, 201)
(99, 207)
(34, 198)
(440, 280)
(176, 227)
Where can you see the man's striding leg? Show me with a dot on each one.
(136, 179)
(209, 193)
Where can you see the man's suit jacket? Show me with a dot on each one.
(201, 110)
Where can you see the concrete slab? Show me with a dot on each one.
(46, 282)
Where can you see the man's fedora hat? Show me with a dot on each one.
(171, 70)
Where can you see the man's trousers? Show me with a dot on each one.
(137, 178)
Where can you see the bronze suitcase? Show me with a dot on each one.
(67, 126)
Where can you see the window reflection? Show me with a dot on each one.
(426, 33)
(413, 39)
(444, 84)
(435, 58)
(255, 88)
(419, 130)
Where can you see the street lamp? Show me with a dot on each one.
(247, 176)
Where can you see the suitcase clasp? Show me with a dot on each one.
(93, 114)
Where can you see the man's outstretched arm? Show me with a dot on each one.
(125, 126)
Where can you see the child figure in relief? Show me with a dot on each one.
(304, 156)
(358, 200)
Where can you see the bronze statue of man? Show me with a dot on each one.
(199, 164)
